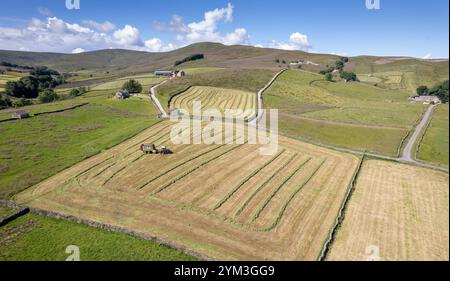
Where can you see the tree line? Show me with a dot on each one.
(439, 90)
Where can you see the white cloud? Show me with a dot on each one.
(56, 35)
(156, 45)
(428, 57)
(211, 18)
(45, 11)
(297, 41)
(102, 27)
(78, 51)
(128, 36)
(206, 30)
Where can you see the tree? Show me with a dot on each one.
(329, 77)
(422, 91)
(339, 65)
(441, 91)
(47, 95)
(344, 59)
(77, 92)
(348, 76)
(26, 87)
(132, 86)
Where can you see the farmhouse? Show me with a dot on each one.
(169, 73)
(122, 94)
(20, 114)
(425, 99)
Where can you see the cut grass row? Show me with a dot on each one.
(184, 174)
(291, 197)
(216, 99)
(262, 185)
(276, 189)
(246, 179)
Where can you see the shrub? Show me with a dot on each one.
(47, 95)
(132, 86)
(5, 102)
(348, 76)
(22, 102)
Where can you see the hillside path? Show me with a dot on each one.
(406, 155)
(156, 101)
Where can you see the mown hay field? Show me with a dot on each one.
(225, 201)
(397, 212)
(219, 99)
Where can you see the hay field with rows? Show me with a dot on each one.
(399, 210)
(224, 201)
(220, 99)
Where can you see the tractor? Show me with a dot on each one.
(150, 148)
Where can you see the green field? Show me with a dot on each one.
(435, 144)
(402, 74)
(38, 238)
(145, 80)
(36, 148)
(350, 115)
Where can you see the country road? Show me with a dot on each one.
(156, 101)
(406, 155)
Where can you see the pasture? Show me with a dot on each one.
(218, 99)
(350, 115)
(399, 209)
(23, 240)
(434, 146)
(146, 81)
(224, 201)
(57, 141)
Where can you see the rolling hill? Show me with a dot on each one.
(402, 73)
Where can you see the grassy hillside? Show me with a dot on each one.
(36, 148)
(218, 55)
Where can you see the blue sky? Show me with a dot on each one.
(416, 28)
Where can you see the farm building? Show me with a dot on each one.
(425, 99)
(166, 73)
(122, 94)
(20, 114)
(169, 73)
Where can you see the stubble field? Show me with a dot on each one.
(397, 212)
